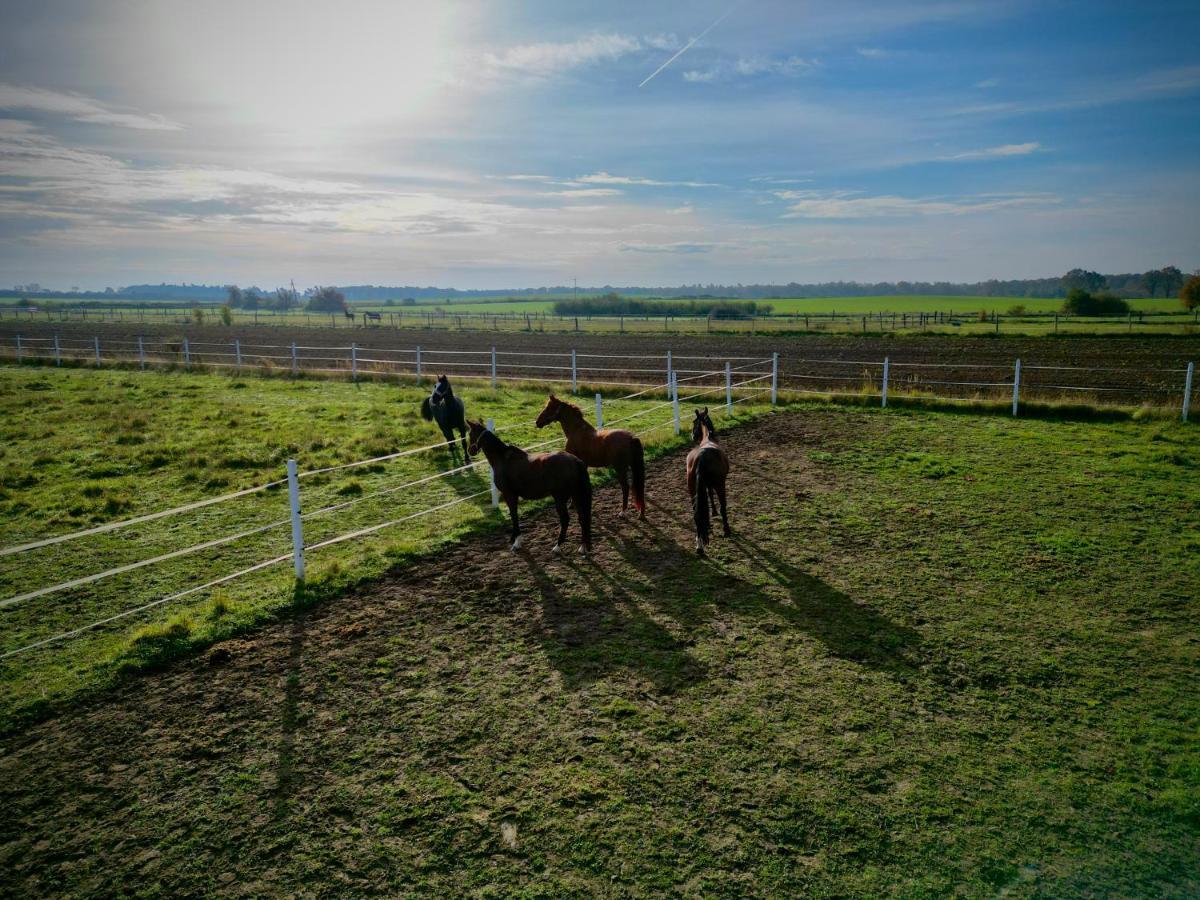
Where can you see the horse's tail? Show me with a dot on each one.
(638, 464)
(426, 410)
(700, 505)
(583, 503)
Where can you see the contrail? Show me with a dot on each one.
(688, 46)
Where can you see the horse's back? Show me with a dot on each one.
(606, 447)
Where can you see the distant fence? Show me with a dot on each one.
(955, 380)
(447, 318)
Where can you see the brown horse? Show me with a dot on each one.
(707, 469)
(612, 448)
(521, 476)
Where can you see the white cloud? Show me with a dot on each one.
(606, 178)
(551, 58)
(987, 83)
(675, 247)
(874, 52)
(851, 205)
(79, 108)
(749, 67)
(1001, 152)
(584, 192)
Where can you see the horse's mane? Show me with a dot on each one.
(573, 409)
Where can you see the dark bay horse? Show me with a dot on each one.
(449, 412)
(613, 448)
(707, 469)
(520, 476)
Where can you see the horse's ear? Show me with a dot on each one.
(704, 411)
(552, 397)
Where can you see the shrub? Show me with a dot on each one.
(1189, 294)
(198, 315)
(226, 315)
(1082, 303)
(1017, 309)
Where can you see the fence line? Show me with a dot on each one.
(299, 545)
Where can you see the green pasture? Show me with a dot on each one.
(79, 448)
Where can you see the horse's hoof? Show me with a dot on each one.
(556, 549)
(584, 552)
(728, 532)
(516, 545)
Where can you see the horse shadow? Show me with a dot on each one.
(587, 641)
(694, 591)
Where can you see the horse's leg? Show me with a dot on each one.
(516, 525)
(462, 429)
(712, 499)
(623, 477)
(724, 509)
(564, 519)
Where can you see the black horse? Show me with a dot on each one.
(449, 412)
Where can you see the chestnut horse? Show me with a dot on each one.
(707, 469)
(521, 476)
(611, 448)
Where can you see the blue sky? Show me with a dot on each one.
(507, 145)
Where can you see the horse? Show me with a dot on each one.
(612, 448)
(348, 314)
(707, 469)
(520, 476)
(449, 412)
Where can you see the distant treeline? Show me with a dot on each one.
(1164, 282)
(612, 304)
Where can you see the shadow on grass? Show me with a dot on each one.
(589, 639)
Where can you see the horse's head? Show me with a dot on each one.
(441, 390)
(702, 423)
(550, 412)
(476, 431)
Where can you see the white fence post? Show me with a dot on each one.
(675, 400)
(187, 354)
(491, 424)
(670, 372)
(418, 364)
(574, 374)
(297, 530)
(883, 396)
(57, 352)
(97, 341)
(237, 353)
(294, 361)
(1187, 390)
(774, 378)
(141, 354)
(729, 388)
(1016, 385)
(493, 367)
(18, 349)
(599, 412)
(354, 361)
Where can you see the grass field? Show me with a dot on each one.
(942, 655)
(80, 448)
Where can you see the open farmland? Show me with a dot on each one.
(924, 665)
(81, 448)
(1124, 370)
(837, 315)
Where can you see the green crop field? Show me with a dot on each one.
(80, 448)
